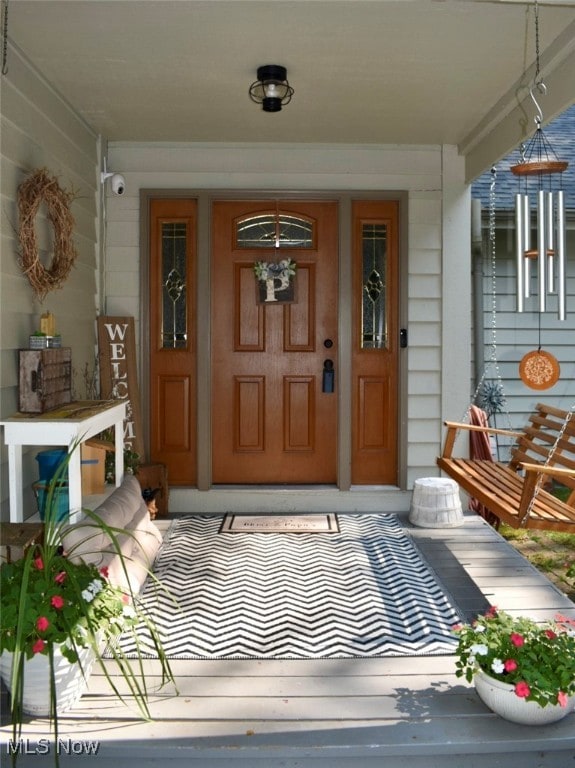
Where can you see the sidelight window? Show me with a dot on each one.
(174, 299)
(374, 270)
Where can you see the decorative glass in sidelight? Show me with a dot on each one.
(373, 315)
(174, 273)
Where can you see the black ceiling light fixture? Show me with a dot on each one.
(271, 89)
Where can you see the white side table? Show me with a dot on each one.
(67, 425)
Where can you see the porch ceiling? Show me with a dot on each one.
(364, 71)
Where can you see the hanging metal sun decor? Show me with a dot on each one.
(539, 174)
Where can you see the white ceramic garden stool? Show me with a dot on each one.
(436, 503)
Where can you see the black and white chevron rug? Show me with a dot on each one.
(362, 592)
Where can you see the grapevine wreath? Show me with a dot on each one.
(40, 188)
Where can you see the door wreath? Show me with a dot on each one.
(40, 188)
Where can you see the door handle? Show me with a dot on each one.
(328, 377)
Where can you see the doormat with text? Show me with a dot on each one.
(280, 523)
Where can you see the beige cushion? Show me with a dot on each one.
(131, 532)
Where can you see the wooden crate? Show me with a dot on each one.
(93, 469)
(45, 380)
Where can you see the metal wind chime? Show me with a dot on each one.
(540, 181)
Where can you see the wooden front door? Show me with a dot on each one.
(173, 227)
(274, 414)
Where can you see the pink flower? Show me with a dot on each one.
(60, 578)
(562, 699)
(517, 639)
(522, 690)
(38, 646)
(104, 571)
(57, 602)
(42, 624)
(492, 612)
(39, 563)
(550, 634)
(510, 665)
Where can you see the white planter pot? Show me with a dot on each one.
(502, 699)
(70, 682)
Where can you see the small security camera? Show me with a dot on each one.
(118, 184)
(117, 181)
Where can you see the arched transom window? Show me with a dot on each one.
(275, 230)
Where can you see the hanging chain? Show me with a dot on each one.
(538, 80)
(547, 462)
(537, 67)
(493, 266)
(4, 37)
(493, 255)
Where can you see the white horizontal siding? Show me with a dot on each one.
(424, 309)
(424, 383)
(424, 359)
(39, 130)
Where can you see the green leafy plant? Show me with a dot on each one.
(132, 459)
(64, 604)
(538, 660)
(132, 462)
(49, 600)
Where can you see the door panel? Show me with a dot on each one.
(300, 327)
(375, 343)
(271, 422)
(174, 417)
(249, 412)
(299, 413)
(173, 227)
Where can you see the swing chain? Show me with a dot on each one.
(547, 462)
(493, 354)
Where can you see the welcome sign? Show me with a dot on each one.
(119, 374)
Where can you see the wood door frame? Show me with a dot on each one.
(344, 198)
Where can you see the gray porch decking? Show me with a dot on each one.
(338, 713)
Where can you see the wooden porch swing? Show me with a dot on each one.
(536, 489)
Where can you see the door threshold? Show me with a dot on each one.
(302, 487)
(287, 499)
(274, 487)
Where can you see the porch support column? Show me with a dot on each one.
(204, 413)
(456, 289)
(345, 349)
